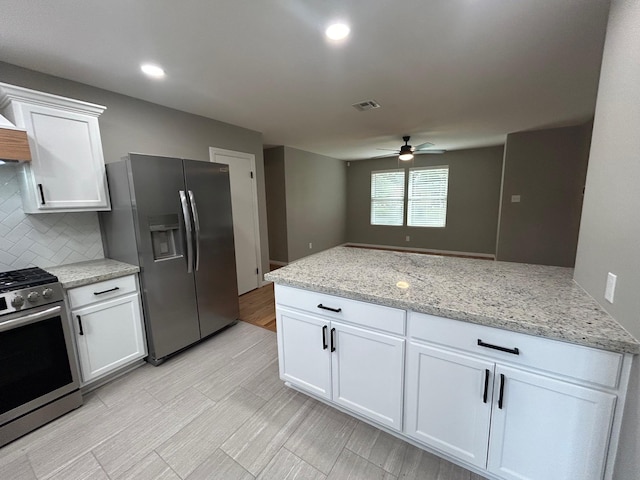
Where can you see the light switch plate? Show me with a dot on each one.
(515, 198)
(610, 288)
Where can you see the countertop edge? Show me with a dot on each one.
(73, 275)
(592, 341)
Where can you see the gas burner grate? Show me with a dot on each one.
(24, 278)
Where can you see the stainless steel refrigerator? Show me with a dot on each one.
(172, 218)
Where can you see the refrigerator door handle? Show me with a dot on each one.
(196, 225)
(188, 230)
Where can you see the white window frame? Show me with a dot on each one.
(441, 197)
(377, 199)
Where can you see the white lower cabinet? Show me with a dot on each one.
(366, 372)
(517, 424)
(304, 355)
(495, 400)
(509, 405)
(109, 333)
(359, 369)
(548, 429)
(449, 398)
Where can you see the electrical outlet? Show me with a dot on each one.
(610, 288)
(310, 246)
(408, 238)
(515, 198)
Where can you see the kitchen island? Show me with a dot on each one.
(510, 370)
(533, 299)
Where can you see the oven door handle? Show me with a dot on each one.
(31, 318)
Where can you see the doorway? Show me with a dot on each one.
(244, 204)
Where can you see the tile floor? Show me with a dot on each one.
(216, 411)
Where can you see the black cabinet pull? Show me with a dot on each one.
(107, 291)
(324, 337)
(41, 194)
(80, 332)
(515, 351)
(486, 385)
(501, 397)
(337, 310)
(333, 339)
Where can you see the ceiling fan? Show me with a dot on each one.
(406, 151)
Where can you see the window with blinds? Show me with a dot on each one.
(427, 199)
(387, 197)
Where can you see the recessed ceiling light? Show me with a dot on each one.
(337, 31)
(152, 70)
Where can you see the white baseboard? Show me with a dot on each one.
(422, 250)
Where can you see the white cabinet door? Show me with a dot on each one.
(448, 402)
(367, 373)
(303, 351)
(109, 335)
(67, 171)
(546, 429)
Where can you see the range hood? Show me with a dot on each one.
(14, 144)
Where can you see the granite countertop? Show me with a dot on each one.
(533, 299)
(92, 271)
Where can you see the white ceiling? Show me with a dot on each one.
(458, 73)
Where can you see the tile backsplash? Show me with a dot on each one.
(45, 239)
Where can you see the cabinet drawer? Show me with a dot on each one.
(96, 292)
(379, 317)
(575, 361)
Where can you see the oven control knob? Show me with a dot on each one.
(47, 293)
(17, 301)
(33, 297)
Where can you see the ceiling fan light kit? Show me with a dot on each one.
(406, 151)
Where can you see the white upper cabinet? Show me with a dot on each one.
(67, 172)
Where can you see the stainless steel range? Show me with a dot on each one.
(38, 373)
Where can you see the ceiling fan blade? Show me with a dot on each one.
(386, 155)
(433, 152)
(389, 149)
(424, 145)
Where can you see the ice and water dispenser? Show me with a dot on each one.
(165, 236)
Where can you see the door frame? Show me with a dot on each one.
(213, 151)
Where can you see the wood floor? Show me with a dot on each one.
(258, 307)
(217, 411)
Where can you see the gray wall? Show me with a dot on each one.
(274, 177)
(131, 125)
(472, 209)
(307, 201)
(547, 168)
(316, 202)
(610, 230)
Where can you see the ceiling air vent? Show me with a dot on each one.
(366, 105)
